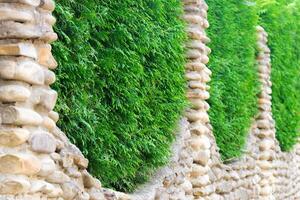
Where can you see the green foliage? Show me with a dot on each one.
(234, 81)
(282, 22)
(120, 83)
(263, 6)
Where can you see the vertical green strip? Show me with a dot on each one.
(234, 81)
(282, 22)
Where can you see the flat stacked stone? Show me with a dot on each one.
(251, 176)
(172, 181)
(264, 122)
(37, 161)
(175, 183)
(198, 75)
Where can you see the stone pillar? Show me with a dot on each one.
(264, 123)
(27, 119)
(198, 75)
(36, 159)
(250, 177)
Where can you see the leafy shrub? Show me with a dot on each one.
(120, 83)
(234, 81)
(282, 22)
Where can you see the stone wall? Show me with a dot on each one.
(37, 161)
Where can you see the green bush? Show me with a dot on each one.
(282, 22)
(234, 83)
(121, 83)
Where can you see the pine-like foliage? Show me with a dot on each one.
(282, 22)
(234, 85)
(121, 83)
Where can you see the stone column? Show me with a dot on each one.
(27, 100)
(198, 75)
(36, 159)
(250, 177)
(264, 122)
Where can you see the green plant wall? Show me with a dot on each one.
(234, 82)
(121, 83)
(282, 22)
(234, 85)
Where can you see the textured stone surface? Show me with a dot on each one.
(37, 161)
(13, 136)
(19, 164)
(43, 143)
(14, 185)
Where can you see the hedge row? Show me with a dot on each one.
(121, 79)
(120, 83)
(234, 83)
(282, 22)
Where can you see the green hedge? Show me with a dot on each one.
(282, 22)
(121, 83)
(234, 81)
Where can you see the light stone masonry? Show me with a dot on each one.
(38, 162)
